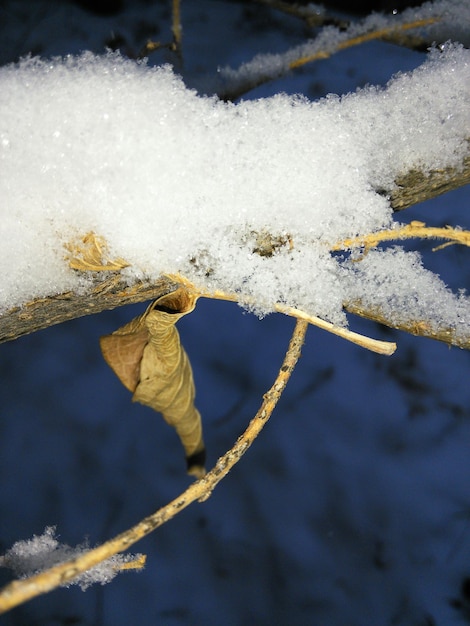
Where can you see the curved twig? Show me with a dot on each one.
(413, 230)
(21, 591)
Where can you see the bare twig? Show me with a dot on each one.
(374, 345)
(177, 29)
(386, 348)
(21, 591)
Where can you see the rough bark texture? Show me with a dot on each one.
(109, 293)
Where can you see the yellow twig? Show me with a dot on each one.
(176, 27)
(137, 563)
(414, 230)
(360, 39)
(21, 591)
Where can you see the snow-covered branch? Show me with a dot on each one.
(432, 22)
(417, 186)
(180, 184)
(110, 291)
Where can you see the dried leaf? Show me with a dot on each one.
(147, 356)
(89, 255)
(413, 230)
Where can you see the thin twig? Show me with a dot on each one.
(308, 13)
(177, 31)
(383, 33)
(176, 28)
(374, 345)
(21, 591)
(413, 230)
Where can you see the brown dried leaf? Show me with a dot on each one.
(89, 255)
(147, 356)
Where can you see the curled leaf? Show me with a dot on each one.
(147, 356)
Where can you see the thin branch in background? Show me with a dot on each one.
(265, 68)
(316, 16)
(374, 345)
(21, 591)
(313, 15)
(177, 32)
(152, 46)
(177, 29)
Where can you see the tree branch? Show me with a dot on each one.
(311, 15)
(110, 291)
(416, 186)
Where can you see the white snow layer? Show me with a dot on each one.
(176, 182)
(31, 556)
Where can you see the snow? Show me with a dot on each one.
(32, 556)
(178, 183)
(351, 507)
